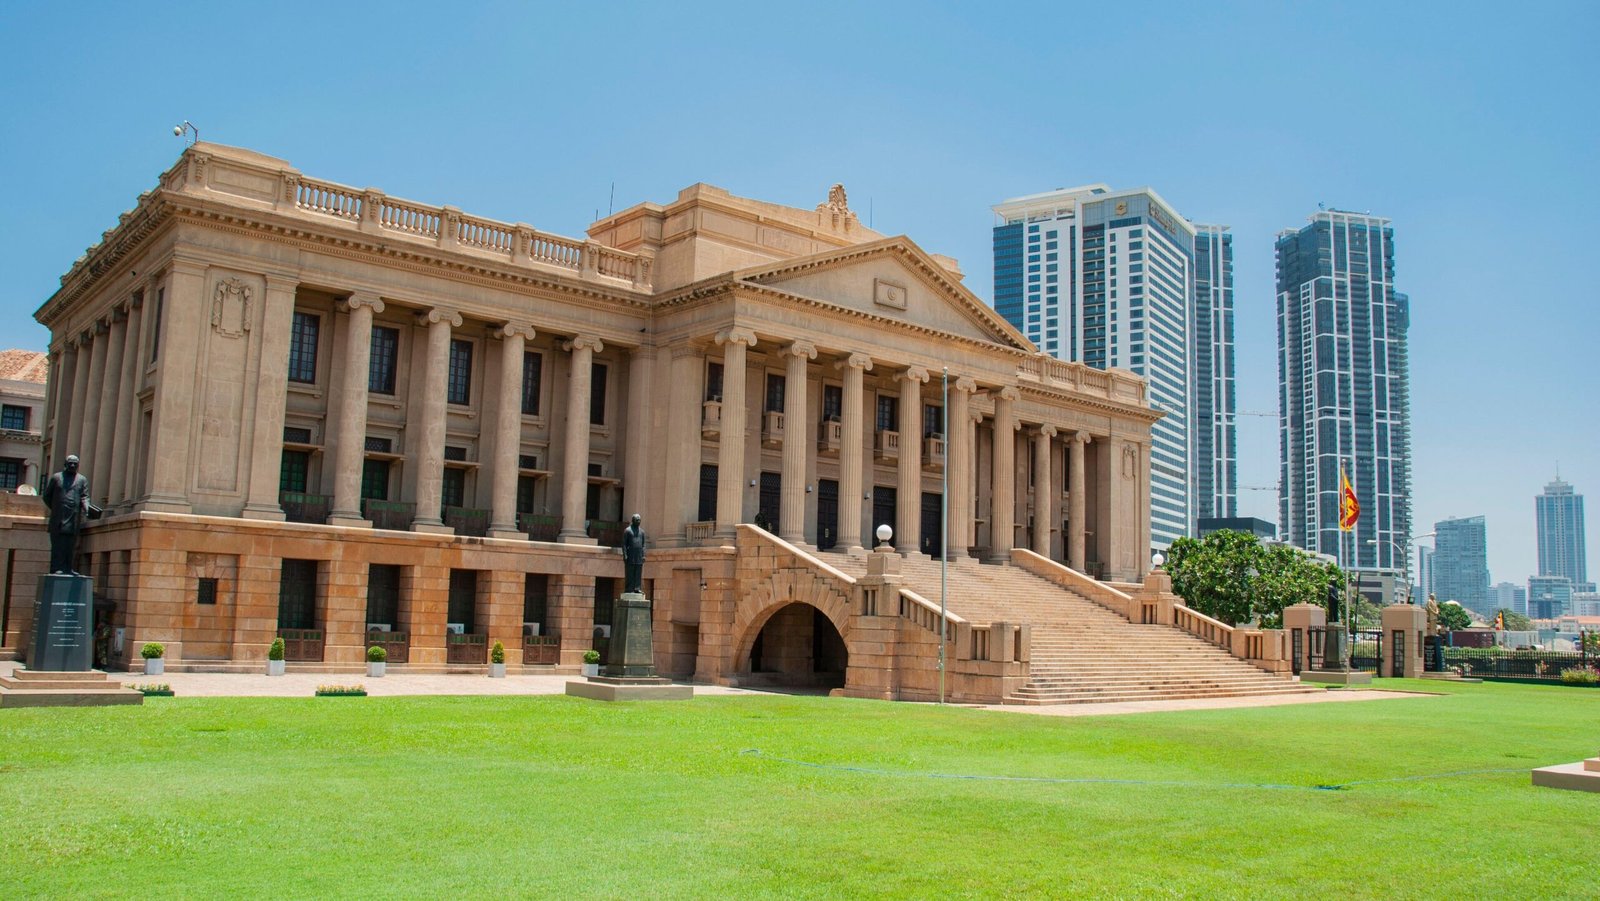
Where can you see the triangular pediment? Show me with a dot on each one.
(893, 279)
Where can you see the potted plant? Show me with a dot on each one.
(275, 658)
(497, 661)
(591, 663)
(377, 661)
(154, 654)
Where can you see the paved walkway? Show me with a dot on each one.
(300, 685)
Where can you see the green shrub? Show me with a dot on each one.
(377, 654)
(591, 656)
(1577, 675)
(497, 654)
(276, 651)
(153, 650)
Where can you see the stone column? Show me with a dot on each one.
(184, 317)
(508, 431)
(118, 487)
(1043, 490)
(272, 394)
(92, 392)
(60, 371)
(639, 438)
(1077, 505)
(429, 460)
(730, 446)
(958, 457)
(349, 439)
(792, 503)
(851, 450)
(908, 508)
(137, 469)
(1004, 483)
(72, 403)
(109, 443)
(575, 465)
(682, 457)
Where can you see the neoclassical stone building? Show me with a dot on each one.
(329, 414)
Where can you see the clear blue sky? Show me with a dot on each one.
(1475, 127)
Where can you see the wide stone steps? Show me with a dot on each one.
(1081, 652)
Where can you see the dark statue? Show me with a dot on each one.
(633, 557)
(67, 496)
(1334, 598)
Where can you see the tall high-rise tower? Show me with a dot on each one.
(1461, 563)
(1216, 453)
(1344, 390)
(1108, 278)
(1558, 515)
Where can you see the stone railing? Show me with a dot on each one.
(1079, 378)
(211, 170)
(918, 610)
(1212, 631)
(1077, 582)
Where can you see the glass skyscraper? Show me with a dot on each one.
(1558, 517)
(1108, 278)
(1344, 392)
(1461, 563)
(1216, 454)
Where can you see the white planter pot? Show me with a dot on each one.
(375, 669)
(155, 666)
(497, 670)
(591, 669)
(274, 667)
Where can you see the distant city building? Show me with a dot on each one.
(1509, 596)
(1424, 586)
(22, 384)
(1257, 527)
(1461, 563)
(1216, 452)
(1586, 603)
(1549, 597)
(1344, 390)
(1558, 520)
(1117, 279)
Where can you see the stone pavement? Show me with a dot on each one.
(291, 685)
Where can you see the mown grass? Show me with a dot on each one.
(558, 797)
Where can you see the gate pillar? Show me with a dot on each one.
(1403, 628)
(1298, 621)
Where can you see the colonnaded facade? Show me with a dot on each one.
(330, 415)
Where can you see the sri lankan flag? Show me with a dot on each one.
(1500, 621)
(1349, 507)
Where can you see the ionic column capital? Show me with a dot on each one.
(802, 349)
(1009, 392)
(736, 336)
(913, 374)
(516, 330)
(438, 315)
(859, 361)
(1082, 437)
(1047, 431)
(361, 299)
(966, 385)
(583, 342)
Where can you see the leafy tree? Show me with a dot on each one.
(1453, 616)
(1515, 622)
(1368, 616)
(1230, 576)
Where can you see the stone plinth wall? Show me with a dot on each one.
(151, 566)
(24, 557)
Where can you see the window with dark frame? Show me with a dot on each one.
(375, 480)
(776, 384)
(303, 334)
(292, 473)
(297, 595)
(713, 381)
(532, 377)
(206, 592)
(932, 420)
(10, 474)
(832, 403)
(454, 490)
(597, 394)
(888, 413)
(14, 417)
(381, 364)
(460, 381)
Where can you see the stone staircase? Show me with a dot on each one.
(1083, 653)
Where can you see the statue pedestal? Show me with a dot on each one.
(63, 625)
(630, 673)
(1336, 663)
(1582, 776)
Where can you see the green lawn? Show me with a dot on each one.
(559, 797)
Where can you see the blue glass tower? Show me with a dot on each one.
(1344, 392)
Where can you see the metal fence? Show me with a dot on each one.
(1499, 663)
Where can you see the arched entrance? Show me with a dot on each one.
(797, 647)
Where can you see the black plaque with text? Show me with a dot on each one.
(63, 625)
